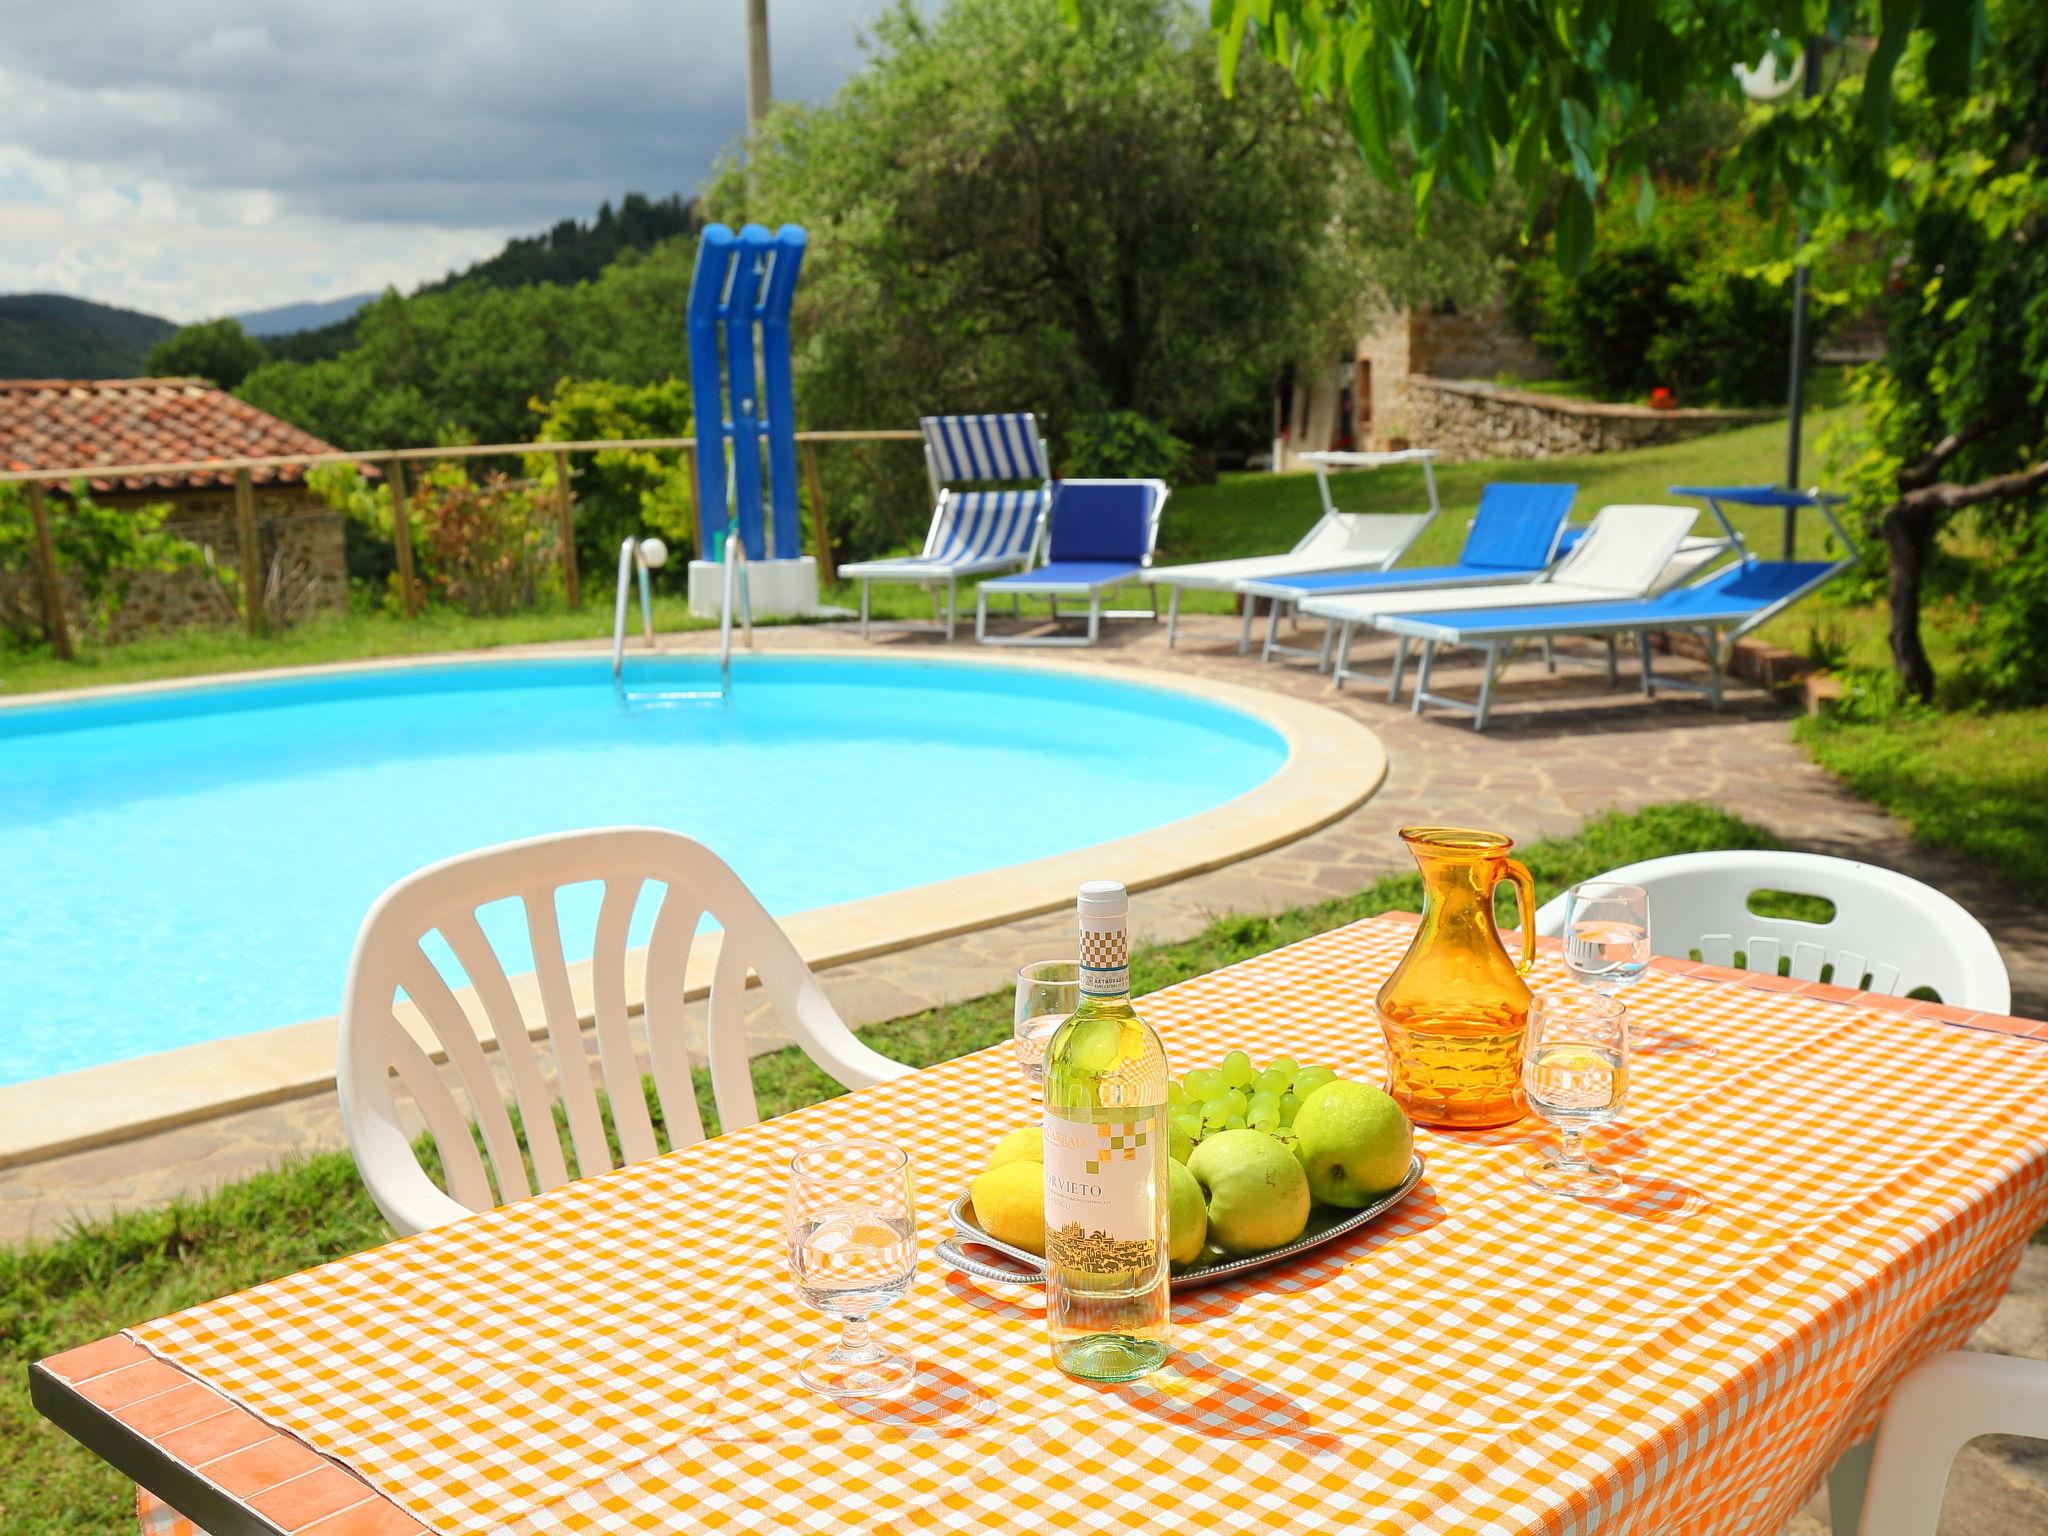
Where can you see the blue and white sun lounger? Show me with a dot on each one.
(1626, 552)
(1720, 608)
(1339, 541)
(1102, 536)
(977, 532)
(1514, 537)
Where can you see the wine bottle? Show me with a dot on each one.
(1107, 1219)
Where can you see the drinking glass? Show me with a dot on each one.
(1047, 991)
(1575, 1074)
(852, 1250)
(1606, 934)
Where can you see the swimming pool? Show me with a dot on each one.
(192, 864)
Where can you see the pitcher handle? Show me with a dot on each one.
(1525, 907)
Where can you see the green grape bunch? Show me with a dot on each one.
(1235, 1094)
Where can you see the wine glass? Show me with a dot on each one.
(1047, 991)
(1606, 934)
(1575, 1073)
(852, 1250)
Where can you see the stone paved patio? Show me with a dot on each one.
(1556, 754)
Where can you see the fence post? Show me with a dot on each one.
(252, 560)
(565, 513)
(696, 507)
(401, 536)
(46, 568)
(827, 571)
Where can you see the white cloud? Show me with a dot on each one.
(209, 156)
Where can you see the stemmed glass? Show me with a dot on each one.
(852, 1250)
(1575, 1074)
(1606, 934)
(1047, 991)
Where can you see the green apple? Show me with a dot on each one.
(1258, 1194)
(1353, 1141)
(1190, 1217)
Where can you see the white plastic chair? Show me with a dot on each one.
(444, 898)
(1890, 933)
(1937, 1408)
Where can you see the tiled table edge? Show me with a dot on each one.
(211, 1460)
(145, 1416)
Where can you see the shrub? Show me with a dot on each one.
(1127, 446)
(1694, 301)
(486, 546)
(100, 548)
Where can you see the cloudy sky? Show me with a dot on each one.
(203, 157)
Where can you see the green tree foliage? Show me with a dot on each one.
(1958, 409)
(1686, 300)
(1010, 215)
(571, 252)
(1936, 147)
(101, 549)
(53, 336)
(624, 491)
(464, 363)
(218, 351)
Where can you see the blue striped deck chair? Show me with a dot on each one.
(973, 532)
(1720, 608)
(1514, 536)
(1102, 537)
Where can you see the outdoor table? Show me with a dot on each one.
(1824, 1187)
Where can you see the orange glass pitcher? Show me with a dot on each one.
(1456, 1009)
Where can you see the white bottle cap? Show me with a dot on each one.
(1103, 898)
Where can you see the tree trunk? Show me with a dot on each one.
(1908, 538)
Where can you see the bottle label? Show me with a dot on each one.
(1105, 957)
(1099, 1198)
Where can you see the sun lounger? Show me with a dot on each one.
(1339, 541)
(1102, 535)
(1514, 537)
(1720, 608)
(973, 532)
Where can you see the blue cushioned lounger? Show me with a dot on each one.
(1720, 608)
(1514, 537)
(1102, 534)
(973, 532)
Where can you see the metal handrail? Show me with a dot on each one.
(639, 555)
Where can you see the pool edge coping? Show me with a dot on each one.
(1333, 765)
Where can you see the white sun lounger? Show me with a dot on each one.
(1628, 552)
(1339, 541)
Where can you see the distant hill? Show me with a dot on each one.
(286, 319)
(571, 252)
(51, 336)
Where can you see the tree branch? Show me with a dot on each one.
(1953, 498)
(1921, 474)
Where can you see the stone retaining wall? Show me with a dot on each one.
(1465, 419)
(293, 528)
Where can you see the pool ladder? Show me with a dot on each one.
(641, 555)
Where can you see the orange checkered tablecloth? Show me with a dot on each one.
(1820, 1194)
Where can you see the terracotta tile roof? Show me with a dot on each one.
(59, 423)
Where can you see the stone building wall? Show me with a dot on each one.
(1454, 344)
(1465, 419)
(293, 527)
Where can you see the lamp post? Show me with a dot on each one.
(1764, 84)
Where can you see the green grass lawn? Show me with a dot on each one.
(107, 1274)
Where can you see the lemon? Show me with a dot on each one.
(1009, 1202)
(1023, 1146)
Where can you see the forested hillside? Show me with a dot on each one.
(52, 336)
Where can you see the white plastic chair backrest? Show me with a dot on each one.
(1625, 549)
(1890, 933)
(1937, 1408)
(443, 898)
(1351, 533)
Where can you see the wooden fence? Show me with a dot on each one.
(392, 462)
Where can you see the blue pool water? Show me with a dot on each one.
(194, 864)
